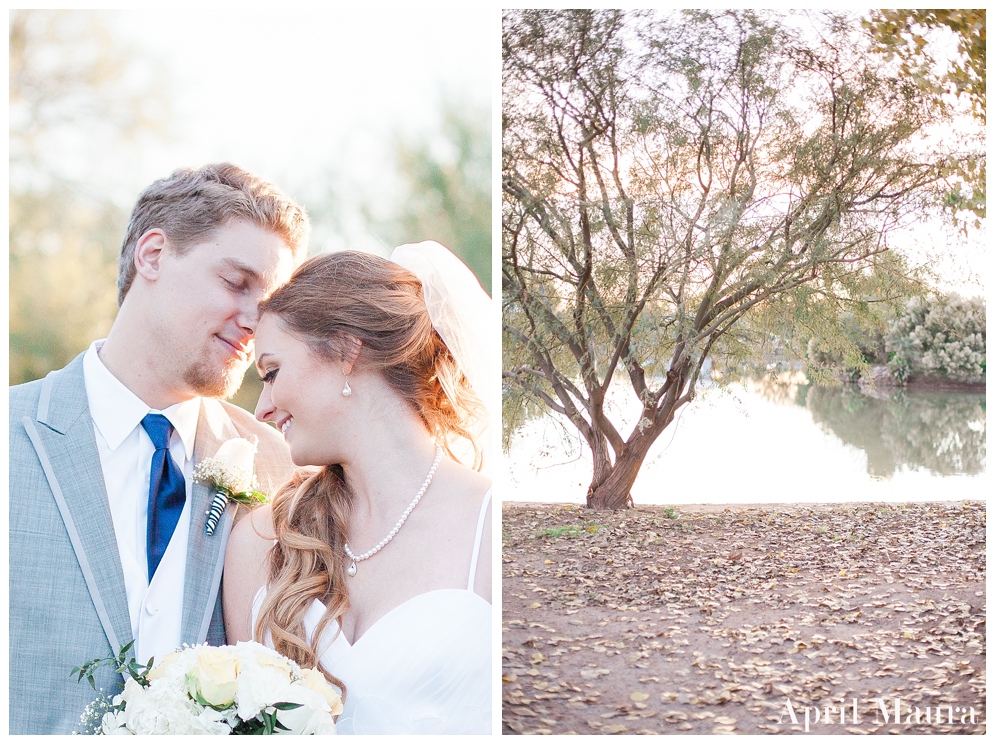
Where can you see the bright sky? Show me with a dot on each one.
(308, 97)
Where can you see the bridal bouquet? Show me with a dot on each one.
(242, 689)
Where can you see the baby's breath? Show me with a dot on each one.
(93, 715)
(224, 478)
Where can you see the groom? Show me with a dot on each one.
(107, 527)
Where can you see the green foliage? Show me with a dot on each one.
(121, 663)
(570, 531)
(266, 723)
(847, 341)
(919, 39)
(448, 189)
(838, 336)
(63, 267)
(941, 337)
(905, 33)
(852, 352)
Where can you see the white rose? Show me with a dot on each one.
(133, 694)
(214, 680)
(312, 717)
(315, 680)
(275, 662)
(236, 457)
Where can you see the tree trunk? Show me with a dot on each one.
(613, 491)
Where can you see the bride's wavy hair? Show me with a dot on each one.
(330, 300)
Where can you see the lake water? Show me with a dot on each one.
(767, 443)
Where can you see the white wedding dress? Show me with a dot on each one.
(423, 668)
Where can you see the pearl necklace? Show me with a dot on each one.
(390, 535)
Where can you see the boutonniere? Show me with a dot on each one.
(230, 474)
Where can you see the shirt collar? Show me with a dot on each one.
(116, 411)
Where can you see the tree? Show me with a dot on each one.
(904, 33)
(63, 293)
(665, 178)
(449, 194)
(74, 97)
(914, 36)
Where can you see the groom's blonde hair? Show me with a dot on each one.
(193, 203)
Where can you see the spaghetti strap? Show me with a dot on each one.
(476, 539)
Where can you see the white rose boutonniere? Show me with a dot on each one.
(230, 474)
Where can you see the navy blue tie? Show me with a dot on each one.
(167, 491)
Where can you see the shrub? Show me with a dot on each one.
(939, 338)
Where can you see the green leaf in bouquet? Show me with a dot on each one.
(121, 663)
(249, 498)
(286, 706)
(266, 723)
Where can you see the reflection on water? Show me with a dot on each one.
(763, 442)
(940, 431)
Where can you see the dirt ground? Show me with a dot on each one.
(716, 619)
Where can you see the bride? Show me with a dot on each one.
(376, 566)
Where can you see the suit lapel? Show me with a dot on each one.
(62, 435)
(205, 554)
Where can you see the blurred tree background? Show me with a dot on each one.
(67, 75)
(85, 103)
(447, 189)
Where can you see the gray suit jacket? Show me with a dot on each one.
(67, 597)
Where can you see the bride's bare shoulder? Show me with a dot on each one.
(464, 485)
(470, 488)
(251, 534)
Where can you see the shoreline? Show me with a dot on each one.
(887, 383)
(704, 507)
(945, 386)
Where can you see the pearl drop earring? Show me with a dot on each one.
(346, 391)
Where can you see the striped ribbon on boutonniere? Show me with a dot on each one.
(230, 475)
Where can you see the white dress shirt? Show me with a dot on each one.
(126, 458)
